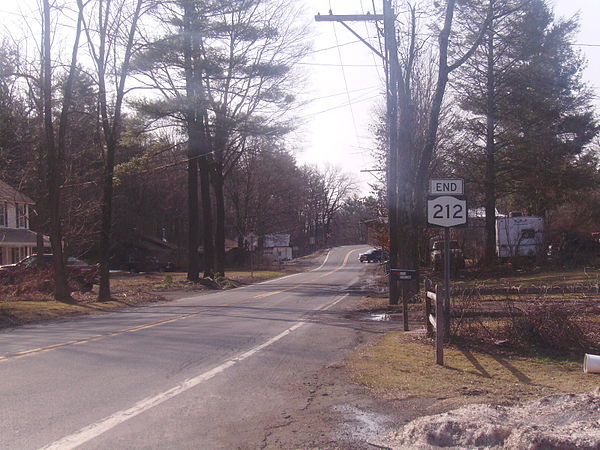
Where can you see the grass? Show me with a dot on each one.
(177, 280)
(127, 290)
(401, 366)
(580, 276)
(20, 312)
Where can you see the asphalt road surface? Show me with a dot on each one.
(208, 371)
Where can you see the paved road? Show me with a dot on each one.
(208, 371)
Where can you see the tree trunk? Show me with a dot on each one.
(112, 133)
(490, 153)
(61, 289)
(194, 144)
(220, 220)
(193, 223)
(39, 250)
(106, 224)
(207, 225)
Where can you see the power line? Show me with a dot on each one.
(337, 65)
(343, 93)
(343, 105)
(334, 46)
(345, 81)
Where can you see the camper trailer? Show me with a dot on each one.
(519, 236)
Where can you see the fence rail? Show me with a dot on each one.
(438, 322)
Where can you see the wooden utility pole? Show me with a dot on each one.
(392, 66)
(390, 58)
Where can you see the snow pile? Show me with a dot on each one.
(554, 422)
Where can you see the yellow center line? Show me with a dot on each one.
(269, 294)
(97, 337)
(344, 263)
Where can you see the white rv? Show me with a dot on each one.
(519, 236)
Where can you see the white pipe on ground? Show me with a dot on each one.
(591, 363)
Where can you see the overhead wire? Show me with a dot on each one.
(345, 81)
(336, 65)
(369, 35)
(344, 93)
(377, 68)
(333, 47)
(343, 105)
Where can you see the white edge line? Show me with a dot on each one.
(96, 429)
(324, 261)
(193, 297)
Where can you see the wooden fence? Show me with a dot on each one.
(437, 323)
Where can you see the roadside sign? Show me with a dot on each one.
(446, 211)
(446, 186)
(403, 274)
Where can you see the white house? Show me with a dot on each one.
(16, 240)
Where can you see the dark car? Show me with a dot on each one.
(457, 258)
(84, 275)
(148, 264)
(373, 255)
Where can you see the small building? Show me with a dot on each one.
(17, 241)
(277, 247)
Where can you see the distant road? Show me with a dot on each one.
(207, 371)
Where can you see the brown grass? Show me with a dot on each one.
(401, 365)
(31, 301)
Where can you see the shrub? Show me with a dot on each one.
(549, 325)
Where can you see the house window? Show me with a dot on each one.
(18, 253)
(3, 215)
(22, 219)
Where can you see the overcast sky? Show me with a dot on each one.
(345, 80)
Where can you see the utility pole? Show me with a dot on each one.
(390, 59)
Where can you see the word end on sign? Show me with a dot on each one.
(446, 186)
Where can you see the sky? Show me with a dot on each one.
(345, 81)
(342, 136)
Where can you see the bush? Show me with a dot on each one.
(549, 325)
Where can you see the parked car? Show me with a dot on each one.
(457, 258)
(574, 247)
(148, 264)
(83, 274)
(372, 255)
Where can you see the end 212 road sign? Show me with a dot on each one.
(446, 211)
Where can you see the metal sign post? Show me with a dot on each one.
(447, 281)
(446, 208)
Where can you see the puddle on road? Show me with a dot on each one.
(379, 317)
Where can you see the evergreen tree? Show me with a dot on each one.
(530, 116)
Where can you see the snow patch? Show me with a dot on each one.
(554, 422)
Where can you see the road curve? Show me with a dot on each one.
(207, 371)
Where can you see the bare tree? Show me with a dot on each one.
(111, 29)
(412, 158)
(55, 146)
(252, 46)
